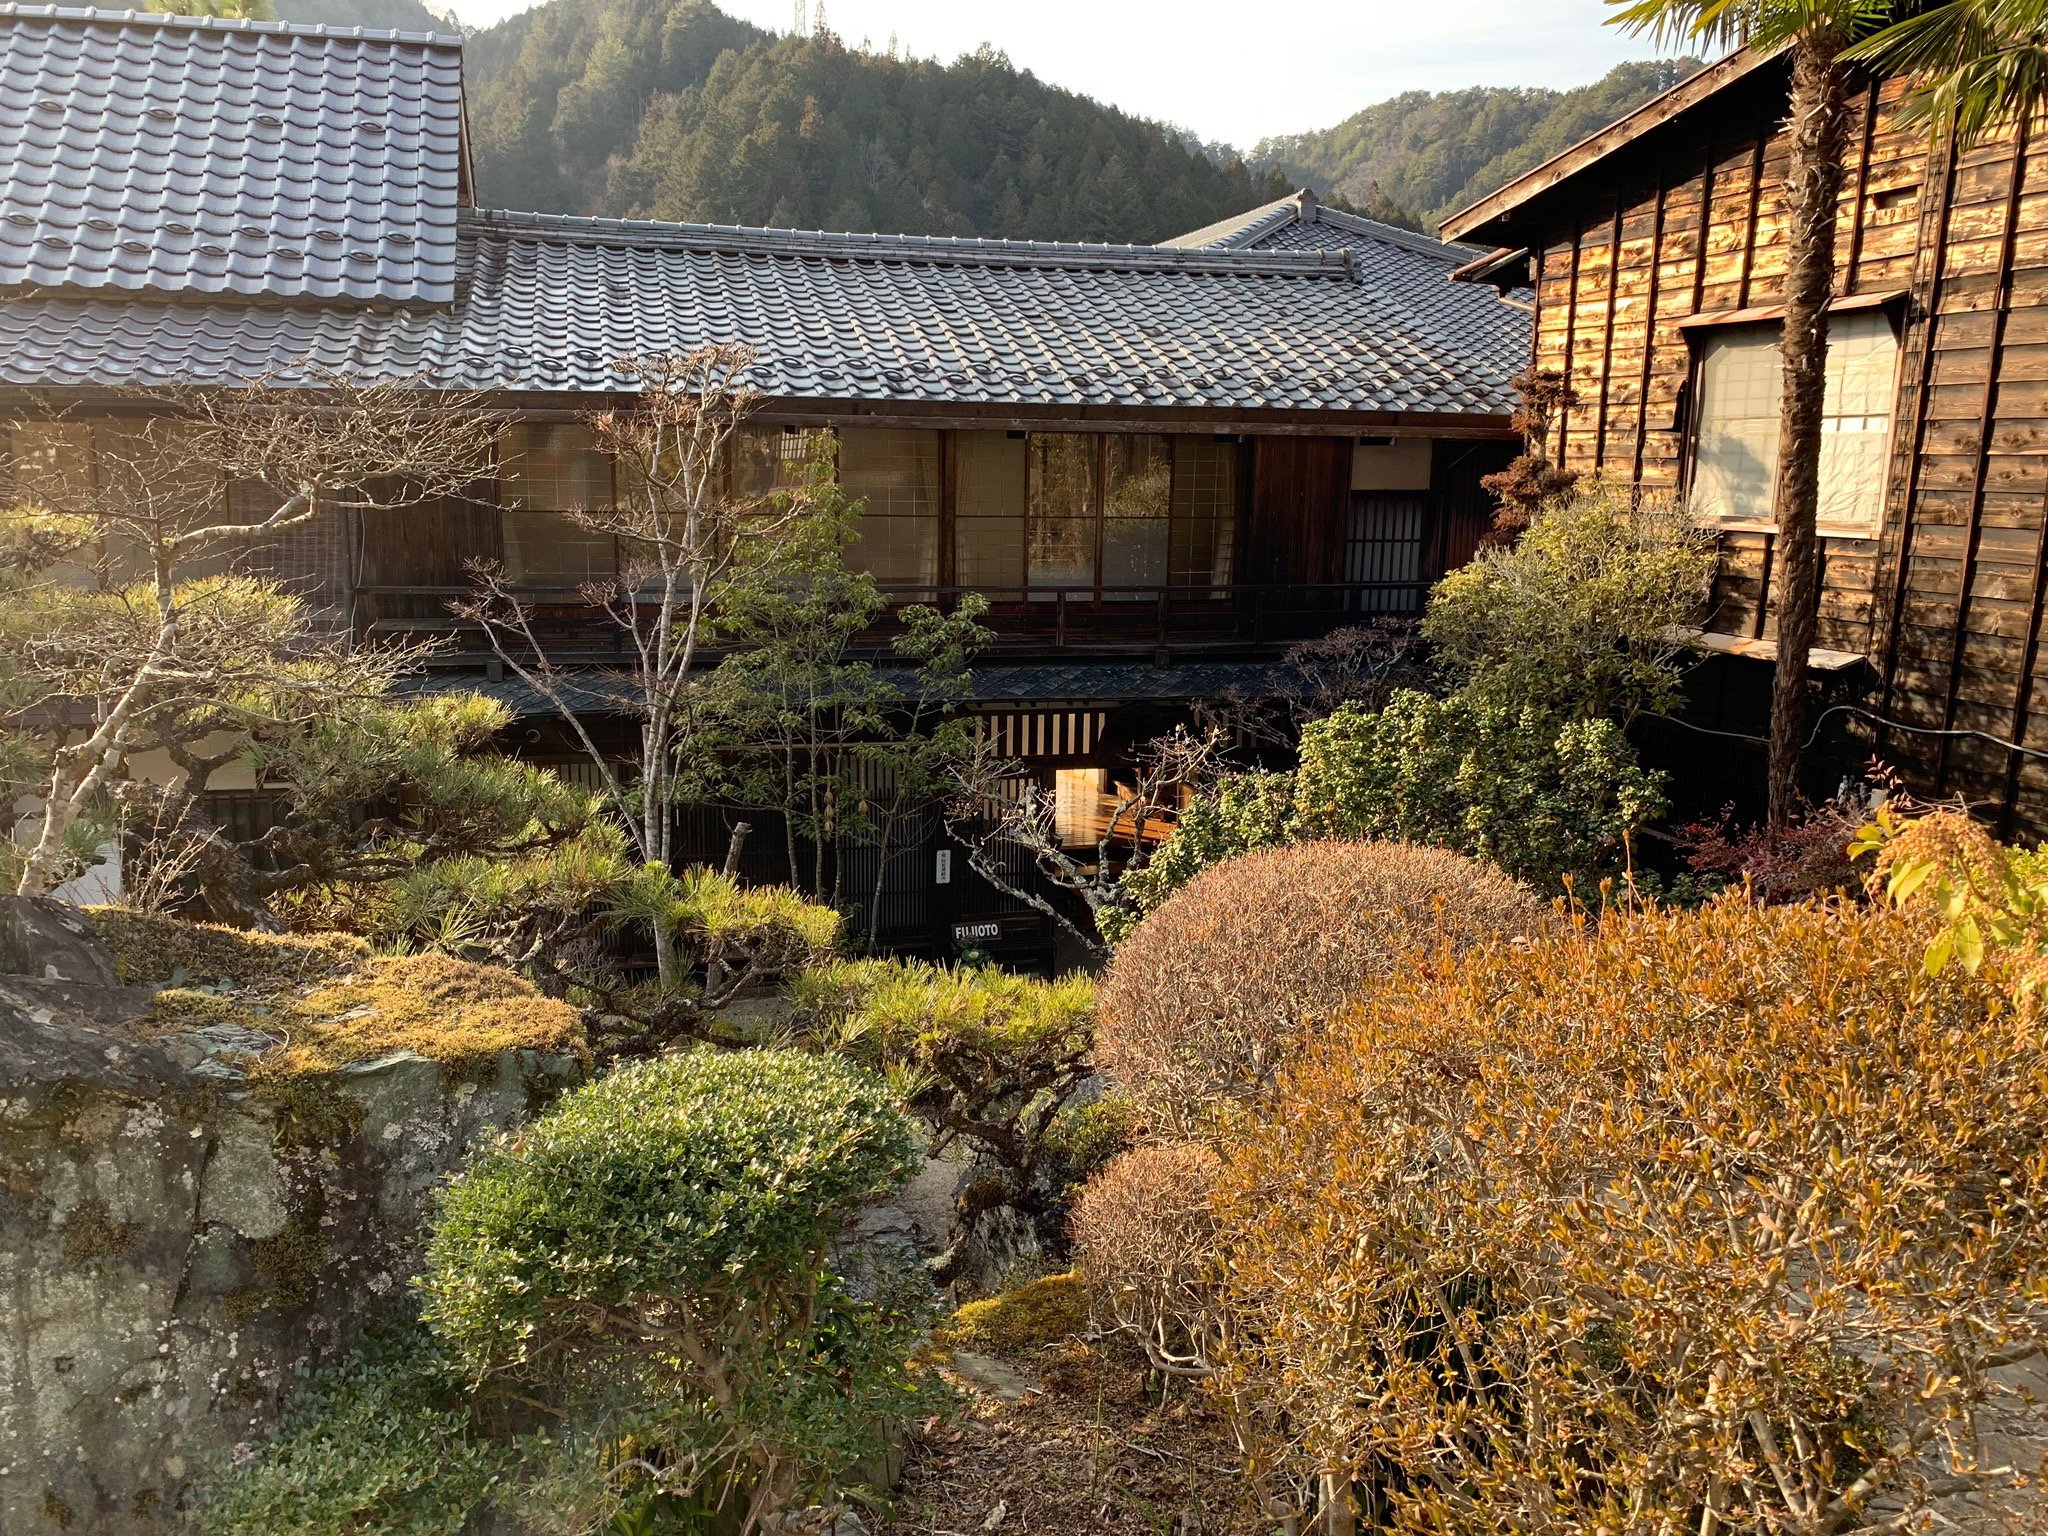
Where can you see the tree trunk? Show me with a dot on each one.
(1339, 1517)
(1814, 186)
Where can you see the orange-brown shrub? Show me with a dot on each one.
(1146, 1239)
(1212, 992)
(1719, 1220)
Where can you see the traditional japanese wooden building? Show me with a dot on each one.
(1656, 250)
(1161, 465)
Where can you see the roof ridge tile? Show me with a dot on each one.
(10, 9)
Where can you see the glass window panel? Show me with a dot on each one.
(51, 462)
(1736, 456)
(552, 467)
(1736, 453)
(1138, 476)
(1137, 498)
(1078, 810)
(772, 459)
(989, 476)
(1205, 488)
(893, 473)
(546, 549)
(1863, 355)
(1062, 509)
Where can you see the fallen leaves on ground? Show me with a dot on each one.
(1074, 1439)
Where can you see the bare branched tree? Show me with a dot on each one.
(989, 815)
(155, 512)
(683, 527)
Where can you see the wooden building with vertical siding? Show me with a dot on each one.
(1657, 251)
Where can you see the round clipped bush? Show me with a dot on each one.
(705, 1184)
(1214, 991)
(653, 1254)
(1146, 1238)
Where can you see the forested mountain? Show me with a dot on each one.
(659, 109)
(1430, 153)
(672, 109)
(394, 15)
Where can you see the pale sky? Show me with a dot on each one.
(1240, 71)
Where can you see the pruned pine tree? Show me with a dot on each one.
(135, 612)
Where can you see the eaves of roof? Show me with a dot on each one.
(131, 18)
(599, 692)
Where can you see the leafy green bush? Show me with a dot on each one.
(1546, 801)
(659, 1240)
(381, 1443)
(1237, 814)
(1579, 618)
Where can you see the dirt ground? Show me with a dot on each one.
(1071, 1439)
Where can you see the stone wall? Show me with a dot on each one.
(178, 1239)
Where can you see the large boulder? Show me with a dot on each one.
(201, 1193)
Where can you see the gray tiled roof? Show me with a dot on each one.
(550, 303)
(1412, 271)
(204, 201)
(173, 154)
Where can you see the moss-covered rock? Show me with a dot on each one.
(169, 952)
(460, 1015)
(1022, 1320)
(203, 1186)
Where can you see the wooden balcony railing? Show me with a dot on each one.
(1102, 620)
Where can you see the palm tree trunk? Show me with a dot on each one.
(1818, 129)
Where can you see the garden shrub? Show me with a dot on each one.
(1986, 896)
(1239, 813)
(381, 1443)
(1212, 993)
(1547, 801)
(1580, 618)
(981, 1055)
(660, 1237)
(1733, 1210)
(1146, 1238)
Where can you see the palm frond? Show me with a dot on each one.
(1977, 64)
(1767, 24)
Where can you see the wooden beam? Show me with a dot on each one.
(1852, 267)
(1274, 422)
(1934, 222)
(1987, 413)
(1607, 337)
(2023, 697)
(1571, 336)
(1757, 314)
(1756, 203)
(1649, 330)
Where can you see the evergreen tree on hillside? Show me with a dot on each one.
(1430, 153)
(659, 109)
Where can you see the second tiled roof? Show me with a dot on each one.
(550, 304)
